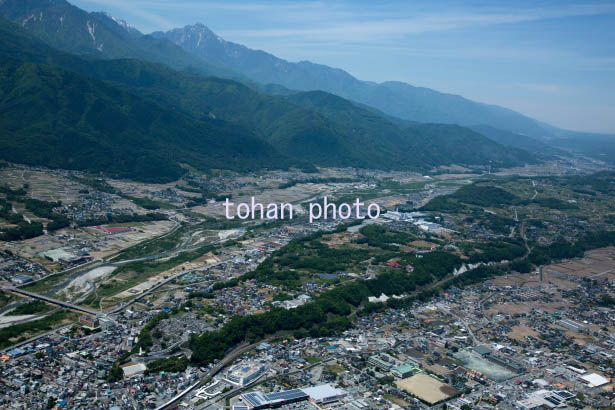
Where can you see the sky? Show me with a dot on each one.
(551, 60)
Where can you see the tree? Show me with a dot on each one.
(115, 374)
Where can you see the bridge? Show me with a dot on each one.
(52, 301)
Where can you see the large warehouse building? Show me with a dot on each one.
(322, 394)
(256, 400)
(246, 373)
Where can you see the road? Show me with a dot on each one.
(446, 310)
(87, 267)
(182, 248)
(480, 302)
(524, 237)
(162, 353)
(51, 300)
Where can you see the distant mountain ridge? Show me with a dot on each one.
(510, 139)
(197, 49)
(98, 34)
(394, 98)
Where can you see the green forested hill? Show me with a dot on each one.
(60, 119)
(317, 127)
(430, 144)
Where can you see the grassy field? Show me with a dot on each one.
(335, 368)
(6, 298)
(395, 400)
(163, 243)
(31, 308)
(313, 360)
(174, 239)
(111, 288)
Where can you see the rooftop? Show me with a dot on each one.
(323, 392)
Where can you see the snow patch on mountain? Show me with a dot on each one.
(91, 26)
(26, 20)
(120, 22)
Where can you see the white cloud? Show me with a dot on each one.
(361, 26)
(549, 88)
(138, 9)
(350, 20)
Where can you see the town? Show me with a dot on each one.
(465, 292)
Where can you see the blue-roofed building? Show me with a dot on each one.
(21, 279)
(257, 400)
(16, 352)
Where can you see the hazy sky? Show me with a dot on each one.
(552, 60)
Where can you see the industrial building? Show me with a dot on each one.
(545, 399)
(318, 395)
(256, 400)
(572, 325)
(594, 380)
(21, 279)
(324, 394)
(244, 374)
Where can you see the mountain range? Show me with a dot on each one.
(394, 98)
(91, 83)
(69, 28)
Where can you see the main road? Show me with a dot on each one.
(52, 301)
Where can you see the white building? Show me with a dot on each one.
(594, 380)
(324, 394)
(245, 373)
